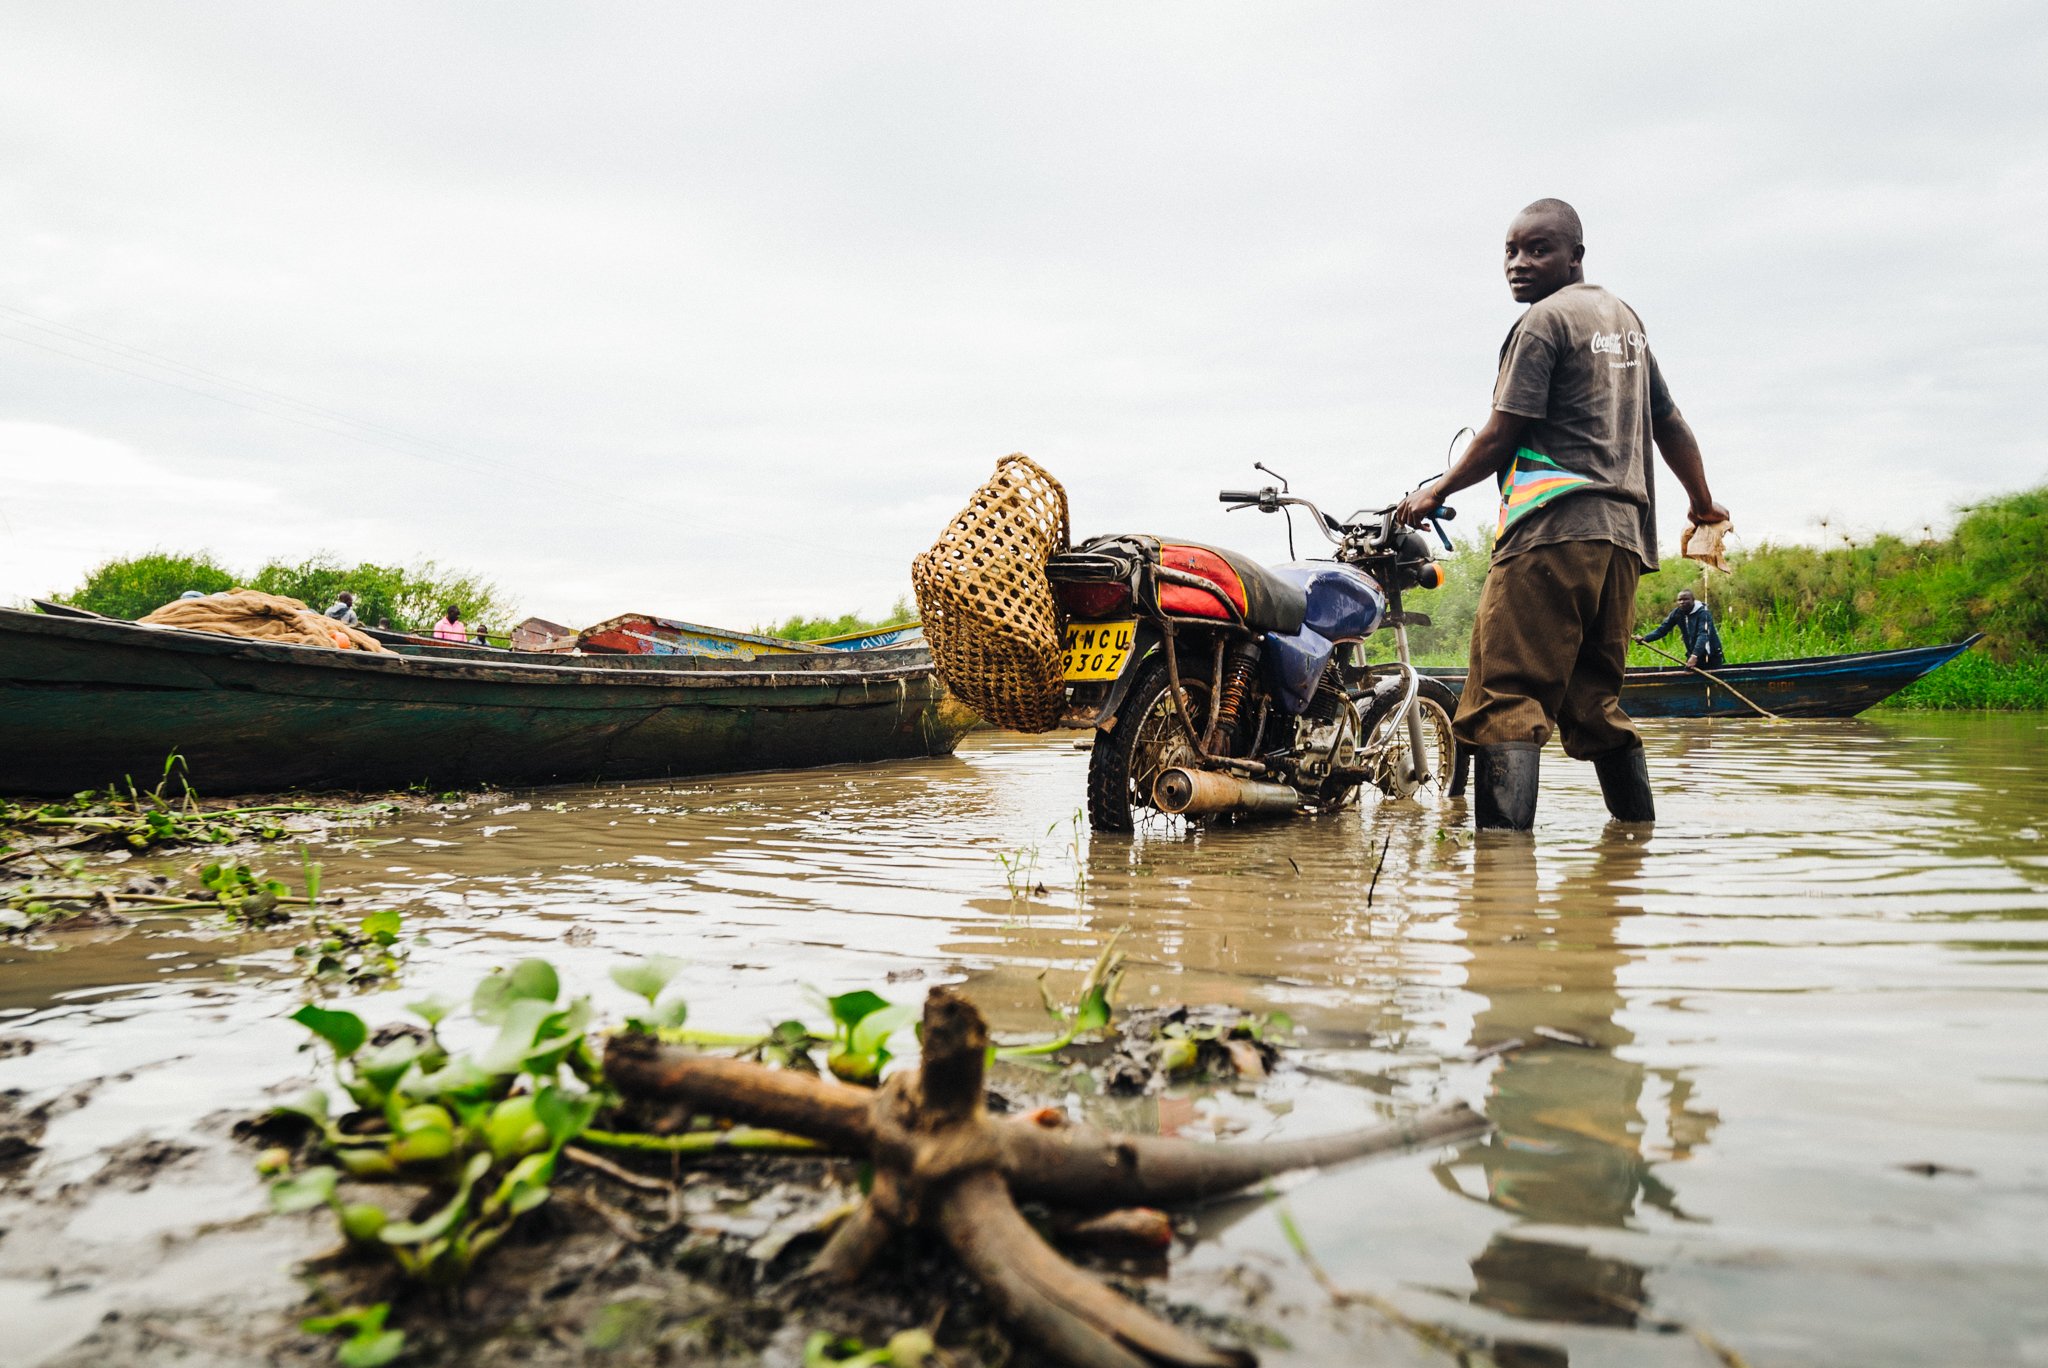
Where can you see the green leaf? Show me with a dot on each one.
(424, 1116)
(526, 1198)
(424, 1146)
(353, 1320)
(1178, 1054)
(647, 977)
(849, 1008)
(459, 1080)
(565, 1114)
(557, 1036)
(863, 1069)
(383, 1065)
(366, 1163)
(432, 1010)
(1092, 1013)
(871, 1035)
(536, 978)
(342, 1030)
(361, 1221)
(514, 1129)
(525, 1187)
(442, 1221)
(533, 979)
(304, 1191)
(671, 1014)
(383, 926)
(371, 1350)
(369, 1344)
(518, 1026)
(910, 1348)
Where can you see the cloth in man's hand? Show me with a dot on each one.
(1702, 542)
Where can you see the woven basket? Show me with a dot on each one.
(988, 609)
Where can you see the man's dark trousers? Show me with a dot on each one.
(1548, 650)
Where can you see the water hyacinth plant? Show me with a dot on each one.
(1087, 1014)
(480, 1130)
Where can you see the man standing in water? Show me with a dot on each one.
(1576, 405)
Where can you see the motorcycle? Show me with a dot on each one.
(1216, 685)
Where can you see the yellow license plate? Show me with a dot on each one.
(1098, 650)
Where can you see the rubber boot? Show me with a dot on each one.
(1625, 784)
(1505, 786)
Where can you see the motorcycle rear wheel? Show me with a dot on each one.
(1148, 737)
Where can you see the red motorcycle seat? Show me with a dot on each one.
(1268, 602)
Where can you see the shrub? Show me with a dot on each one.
(132, 587)
(801, 628)
(413, 598)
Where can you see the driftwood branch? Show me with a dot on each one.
(942, 1162)
(1076, 1316)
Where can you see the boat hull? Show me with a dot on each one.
(85, 703)
(1815, 686)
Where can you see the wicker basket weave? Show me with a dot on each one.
(988, 609)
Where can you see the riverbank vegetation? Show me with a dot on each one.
(1989, 575)
(412, 598)
(801, 628)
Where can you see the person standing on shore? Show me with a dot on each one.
(1577, 403)
(1695, 624)
(450, 627)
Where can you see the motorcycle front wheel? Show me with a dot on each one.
(1148, 737)
(1391, 774)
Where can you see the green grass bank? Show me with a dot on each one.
(411, 598)
(1989, 575)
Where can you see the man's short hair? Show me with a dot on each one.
(1566, 216)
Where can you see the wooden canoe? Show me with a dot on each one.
(1813, 686)
(646, 634)
(85, 701)
(904, 634)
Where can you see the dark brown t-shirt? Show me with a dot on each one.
(1578, 363)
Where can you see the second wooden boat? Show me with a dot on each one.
(1812, 686)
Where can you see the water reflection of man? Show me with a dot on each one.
(1567, 1144)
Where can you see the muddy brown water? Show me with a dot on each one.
(1784, 1091)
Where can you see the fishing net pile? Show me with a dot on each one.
(989, 613)
(263, 617)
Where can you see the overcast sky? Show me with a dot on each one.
(720, 311)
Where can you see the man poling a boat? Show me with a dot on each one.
(1695, 624)
(1577, 403)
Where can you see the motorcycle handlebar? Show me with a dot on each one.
(1272, 500)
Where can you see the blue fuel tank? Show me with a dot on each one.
(1344, 604)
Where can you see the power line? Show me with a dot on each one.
(72, 333)
(203, 394)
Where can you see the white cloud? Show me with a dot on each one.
(722, 310)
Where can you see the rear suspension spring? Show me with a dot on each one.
(1238, 668)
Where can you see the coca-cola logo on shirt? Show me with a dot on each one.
(1626, 345)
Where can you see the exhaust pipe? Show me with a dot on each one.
(1200, 793)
